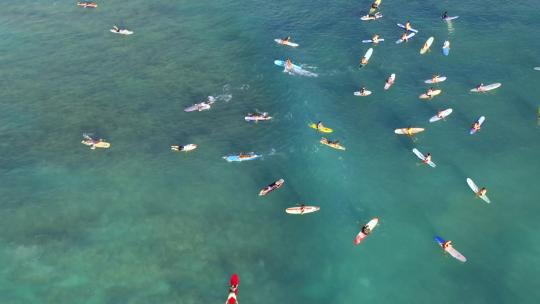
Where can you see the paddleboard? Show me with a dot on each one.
(433, 94)
(283, 42)
(390, 81)
(443, 114)
(403, 131)
(302, 210)
(236, 158)
(450, 249)
(446, 48)
(366, 93)
(486, 88)
(403, 27)
(361, 235)
(423, 158)
(325, 142)
(427, 45)
(371, 41)
(408, 37)
(323, 129)
(450, 18)
(185, 148)
(437, 80)
(260, 117)
(475, 189)
(275, 185)
(480, 121)
(369, 18)
(121, 32)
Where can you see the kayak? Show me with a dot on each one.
(365, 93)
(427, 45)
(475, 189)
(480, 121)
(371, 41)
(423, 158)
(451, 250)
(323, 129)
(433, 94)
(237, 158)
(446, 48)
(403, 131)
(361, 235)
(302, 210)
(273, 186)
(283, 42)
(486, 88)
(369, 18)
(367, 56)
(437, 80)
(403, 27)
(408, 37)
(87, 4)
(233, 290)
(185, 148)
(443, 114)
(258, 117)
(390, 81)
(121, 32)
(325, 141)
(450, 18)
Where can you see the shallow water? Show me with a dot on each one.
(138, 223)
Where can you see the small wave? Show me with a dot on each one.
(224, 97)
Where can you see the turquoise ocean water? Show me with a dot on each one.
(137, 223)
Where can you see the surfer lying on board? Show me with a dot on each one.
(244, 155)
(409, 131)
(405, 37)
(366, 230)
(288, 65)
(363, 61)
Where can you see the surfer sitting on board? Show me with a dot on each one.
(375, 39)
(429, 92)
(116, 29)
(286, 39)
(447, 244)
(404, 37)
(427, 158)
(362, 91)
(302, 208)
(445, 15)
(366, 230)
(435, 78)
(320, 125)
(440, 114)
(409, 131)
(408, 26)
(482, 192)
(480, 87)
(476, 126)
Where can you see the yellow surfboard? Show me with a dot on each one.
(323, 129)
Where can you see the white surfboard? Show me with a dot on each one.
(446, 48)
(427, 45)
(184, 148)
(480, 121)
(366, 93)
(403, 27)
(450, 18)
(390, 81)
(423, 158)
(283, 42)
(370, 225)
(437, 80)
(475, 189)
(121, 32)
(371, 41)
(442, 115)
(369, 18)
(302, 210)
(537, 68)
(486, 88)
(368, 54)
(408, 37)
